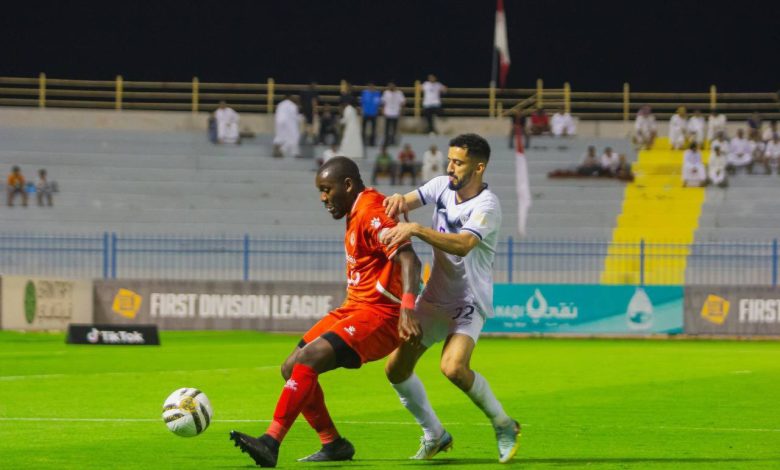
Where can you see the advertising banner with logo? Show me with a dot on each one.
(586, 309)
(732, 310)
(35, 303)
(216, 305)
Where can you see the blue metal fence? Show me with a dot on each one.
(312, 259)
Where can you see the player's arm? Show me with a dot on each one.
(398, 204)
(408, 326)
(458, 244)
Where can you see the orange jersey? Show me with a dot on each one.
(372, 276)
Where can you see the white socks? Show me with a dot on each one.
(483, 397)
(413, 397)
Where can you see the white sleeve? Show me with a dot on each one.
(431, 190)
(484, 219)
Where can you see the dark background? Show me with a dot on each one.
(655, 45)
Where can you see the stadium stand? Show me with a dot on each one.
(146, 182)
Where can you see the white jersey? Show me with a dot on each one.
(455, 279)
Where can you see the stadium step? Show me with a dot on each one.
(656, 209)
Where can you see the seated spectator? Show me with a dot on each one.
(645, 130)
(623, 171)
(329, 153)
(44, 189)
(590, 164)
(407, 163)
(754, 124)
(562, 124)
(432, 164)
(717, 168)
(770, 132)
(716, 123)
(696, 128)
(677, 129)
(693, 173)
(757, 148)
(384, 165)
(540, 122)
(329, 126)
(740, 152)
(772, 153)
(16, 185)
(227, 124)
(287, 128)
(610, 161)
(721, 143)
(212, 129)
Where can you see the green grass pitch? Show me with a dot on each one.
(583, 403)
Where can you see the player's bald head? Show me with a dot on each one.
(338, 169)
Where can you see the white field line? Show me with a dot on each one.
(382, 423)
(12, 378)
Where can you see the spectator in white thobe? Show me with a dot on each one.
(772, 152)
(645, 129)
(740, 151)
(720, 142)
(770, 132)
(351, 141)
(610, 161)
(696, 128)
(693, 172)
(677, 128)
(716, 169)
(716, 122)
(432, 164)
(288, 129)
(227, 124)
(562, 124)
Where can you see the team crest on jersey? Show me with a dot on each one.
(352, 238)
(375, 222)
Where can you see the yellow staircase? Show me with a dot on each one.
(657, 209)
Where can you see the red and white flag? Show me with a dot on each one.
(521, 181)
(501, 44)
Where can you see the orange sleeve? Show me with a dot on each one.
(374, 222)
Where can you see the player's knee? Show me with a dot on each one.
(455, 372)
(287, 369)
(396, 373)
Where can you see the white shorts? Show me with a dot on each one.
(439, 321)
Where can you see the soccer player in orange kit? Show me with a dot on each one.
(382, 286)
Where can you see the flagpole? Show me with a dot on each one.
(494, 70)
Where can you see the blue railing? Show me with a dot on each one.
(311, 259)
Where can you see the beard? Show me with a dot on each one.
(458, 183)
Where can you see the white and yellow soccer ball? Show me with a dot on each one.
(187, 412)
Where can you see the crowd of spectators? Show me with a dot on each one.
(759, 146)
(609, 164)
(406, 163)
(18, 186)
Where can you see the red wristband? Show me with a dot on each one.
(407, 301)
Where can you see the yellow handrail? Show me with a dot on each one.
(196, 96)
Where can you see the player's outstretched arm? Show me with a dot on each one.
(458, 244)
(408, 326)
(398, 204)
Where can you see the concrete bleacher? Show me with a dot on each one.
(147, 182)
(747, 210)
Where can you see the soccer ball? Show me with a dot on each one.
(187, 412)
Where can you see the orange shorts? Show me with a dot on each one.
(371, 331)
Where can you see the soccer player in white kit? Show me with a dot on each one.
(459, 293)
